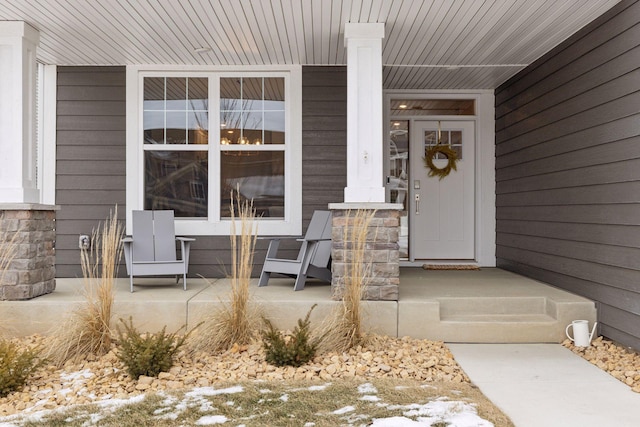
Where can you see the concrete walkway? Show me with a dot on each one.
(548, 385)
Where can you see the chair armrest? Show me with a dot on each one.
(127, 239)
(185, 239)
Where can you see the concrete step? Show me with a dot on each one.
(488, 306)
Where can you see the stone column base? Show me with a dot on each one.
(32, 271)
(382, 249)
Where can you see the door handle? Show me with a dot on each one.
(417, 200)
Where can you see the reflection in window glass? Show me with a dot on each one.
(399, 177)
(252, 111)
(177, 180)
(260, 176)
(453, 138)
(176, 110)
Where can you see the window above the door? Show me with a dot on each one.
(433, 107)
(194, 136)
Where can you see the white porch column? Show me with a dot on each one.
(18, 42)
(365, 180)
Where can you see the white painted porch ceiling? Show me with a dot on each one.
(487, 41)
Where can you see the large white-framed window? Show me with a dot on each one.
(194, 134)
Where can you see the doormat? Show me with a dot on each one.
(450, 267)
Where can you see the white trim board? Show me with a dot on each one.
(485, 181)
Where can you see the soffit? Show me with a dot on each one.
(435, 44)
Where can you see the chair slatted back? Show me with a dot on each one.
(320, 229)
(153, 236)
(164, 236)
(142, 231)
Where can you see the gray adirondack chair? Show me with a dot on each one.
(151, 251)
(313, 258)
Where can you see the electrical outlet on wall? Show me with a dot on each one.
(84, 241)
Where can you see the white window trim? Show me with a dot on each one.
(292, 224)
(46, 145)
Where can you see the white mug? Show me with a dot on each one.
(581, 336)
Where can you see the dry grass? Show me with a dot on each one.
(88, 329)
(343, 329)
(279, 403)
(238, 321)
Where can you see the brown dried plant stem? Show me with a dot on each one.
(345, 330)
(236, 322)
(8, 251)
(88, 329)
(242, 265)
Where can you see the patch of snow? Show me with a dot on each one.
(78, 375)
(211, 419)
(367, 388)
(211, 391)
(265, 390)
(318, 387)
(284, 397)
(344, 410)
(396, 422)
(121, 402)
(309, 424)
(370, 398)
(93, 420)
(230, 403)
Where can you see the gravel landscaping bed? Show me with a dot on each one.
(97, 379)
(621, 362)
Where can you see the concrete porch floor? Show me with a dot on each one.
(485, 306)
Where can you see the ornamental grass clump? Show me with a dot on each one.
(16, 366)
(293, 349)
(8, 250)
(88, 329)
(344, 329)
(238, 320)
(147, 354)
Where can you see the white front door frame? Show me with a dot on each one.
(485, 182)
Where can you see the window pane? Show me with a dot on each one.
(198, 127)
(260, 175)
(176, 132)
(230, 94)
(274, 93)
(198, 94)
(177, 180)
(176, 110)
(274, 127)
(433, 107)
(154, 93)
(153, 127)
(452, 138)
(176, 93)
(254, 109)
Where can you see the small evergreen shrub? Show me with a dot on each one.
(295, 349)
(147, 354)
(16, 366)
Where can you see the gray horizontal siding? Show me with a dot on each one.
(91, 157)
(568, 169)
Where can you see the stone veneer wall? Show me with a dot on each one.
(32, 271)
(382, 250)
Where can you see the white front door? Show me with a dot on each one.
(442, 211)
